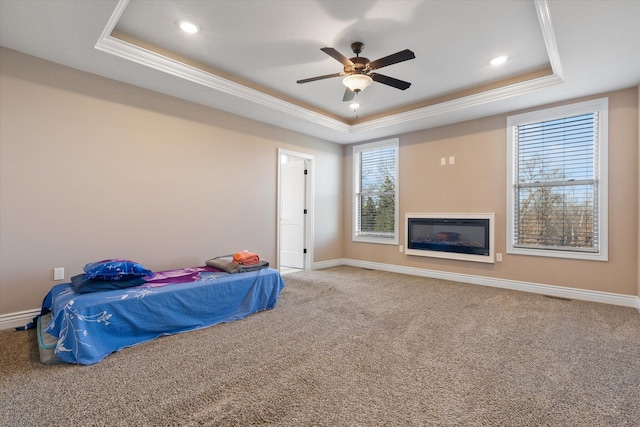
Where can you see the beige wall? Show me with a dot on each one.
(92, 169)
(476, 183)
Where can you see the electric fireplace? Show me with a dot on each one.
(466, 237)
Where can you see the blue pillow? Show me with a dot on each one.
(82, 287)
(114, 270)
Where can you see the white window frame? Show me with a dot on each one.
(357, 149)
(601, 106)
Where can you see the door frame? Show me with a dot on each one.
(309, 196)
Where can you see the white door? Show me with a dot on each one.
(292, 216)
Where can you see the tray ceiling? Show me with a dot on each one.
(248, 55)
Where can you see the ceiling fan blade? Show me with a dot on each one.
(337, 56)
(394, 58)
(326, 76)
(348, 95)
(390, 81)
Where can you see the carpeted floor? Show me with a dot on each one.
(353, 347)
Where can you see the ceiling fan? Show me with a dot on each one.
(359, 70)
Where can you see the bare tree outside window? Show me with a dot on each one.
(552, 214)
(376, 192)
(557, 182)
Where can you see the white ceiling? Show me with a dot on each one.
(249, 54)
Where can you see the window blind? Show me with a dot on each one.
(557, 183)
(376, 192)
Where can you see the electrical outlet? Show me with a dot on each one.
(400, 248)
(58, 273)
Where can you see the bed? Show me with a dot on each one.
(89, 326)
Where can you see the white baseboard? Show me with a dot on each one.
(537, 288)
(22, 318)
(15, 320)
(328, 264)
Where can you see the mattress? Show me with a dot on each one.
(90, 326)
(46, 342)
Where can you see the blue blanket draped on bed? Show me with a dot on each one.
(91, 326)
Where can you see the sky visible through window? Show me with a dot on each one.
(556, 182)
(374, 166)
(376, 203)
(557, 150)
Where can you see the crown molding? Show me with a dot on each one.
(186, 72)
(460, 103)
(131, 52)
(549, 36)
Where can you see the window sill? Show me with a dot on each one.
(393, 241)
(584, 256)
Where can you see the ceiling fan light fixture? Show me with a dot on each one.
(357, 82)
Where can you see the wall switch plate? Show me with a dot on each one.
(443, 161)
(452, 160)
(400, 248)
(58, 273)
(499, 257)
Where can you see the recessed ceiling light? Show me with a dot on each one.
(189, 27)
(499, 60)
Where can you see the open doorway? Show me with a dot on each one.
(295, 178)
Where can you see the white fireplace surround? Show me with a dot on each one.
(490, 258)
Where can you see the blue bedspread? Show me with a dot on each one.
(91, 326)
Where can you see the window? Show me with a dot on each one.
(557, 182)
(375, 206)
